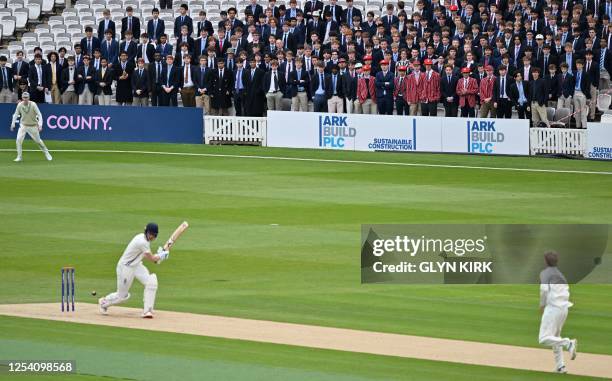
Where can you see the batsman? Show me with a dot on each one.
(130, 266)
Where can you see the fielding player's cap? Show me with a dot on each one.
(358, 65)
(152, 228)
(539, 37)
(383, 62)
(367, 58)
(25, 95)
(489, 68)
(454, 8)
(466, 70)
(428, 62)
(366, 68)
(402, 68)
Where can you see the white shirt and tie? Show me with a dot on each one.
(273, 82)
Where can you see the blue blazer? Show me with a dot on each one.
(381, 87)
(111, 54)
(164, 51)
(161, 29)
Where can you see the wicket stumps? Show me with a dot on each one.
(67, 287)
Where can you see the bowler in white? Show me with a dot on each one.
(554, 304)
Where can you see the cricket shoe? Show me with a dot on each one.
(573, 348)
(48, 156)
(562, 370)
(103, 308)
(17, 159)
(147, 315)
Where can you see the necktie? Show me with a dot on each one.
(201, 75)
(275, 81)
(154, 28)
(4, 79)
(239, 80)
(334, 84)
(103, 72)
(129, 23)
(400, 84)
(182, 19)
(321, 81)
(140, 73)
(89, 46)
(186, 74)
(602, 58)
(448, 79)
(588, 66)
(168, 77)
(503, 87)
(158, 71)
(39, 72)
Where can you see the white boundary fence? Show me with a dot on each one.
(558, 141)
(235, 129)
(250, 130)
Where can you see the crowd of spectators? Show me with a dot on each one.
(470, 57)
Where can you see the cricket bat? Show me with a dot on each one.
(175, 236)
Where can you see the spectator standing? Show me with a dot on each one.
(254, 95)
(400, 91)
(431, 90)
(201, 77)
(487, 85)
(85, 83)
(187, 83)
(6, 81)
(467, 89)
(274, 86)
(123, 75)
(140, 85)
(222, 85)
(104, 80)
(366, 92)
(539, 99)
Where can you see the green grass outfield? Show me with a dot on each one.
(83, 208)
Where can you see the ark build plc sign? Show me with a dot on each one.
(334, 131)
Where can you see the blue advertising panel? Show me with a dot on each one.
(114, 123)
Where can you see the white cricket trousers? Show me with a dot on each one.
(125, 277)
(553, 319)
(34, 134)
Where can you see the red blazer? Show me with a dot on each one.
(404, 88)
(467, 95)
(415, 90)
(431, 87)
(486, 87)
(362, 91)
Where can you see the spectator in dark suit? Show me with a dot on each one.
(201, 77)
(384, 89)
(565, 87)
(156, 79)
(170, 83)
(448, 91)
(6, 81)
(350, 12)
(204, 24)
(124, 70)
(288, 39)
(389, 19)
(183, 19)
(89, 43)
(501, 99)
(39, 80)
(274, 86)
(21, 69)
(129, 46)
(164, 48)
(156, 26)
(240, 77)
(299, 87)
(184, 38)
(68, 87)
(519, 93)
(104, 80)
(130, 22)
(255, 9)
(311, 6)
(334, 91)
(146, 50)
(109, 49)
(591, 67)
(140, 85)
(539, 99)
(254, 97)
(335, 11)
(85, 82)
(106, 24)
(222, 86)
(317, 88)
